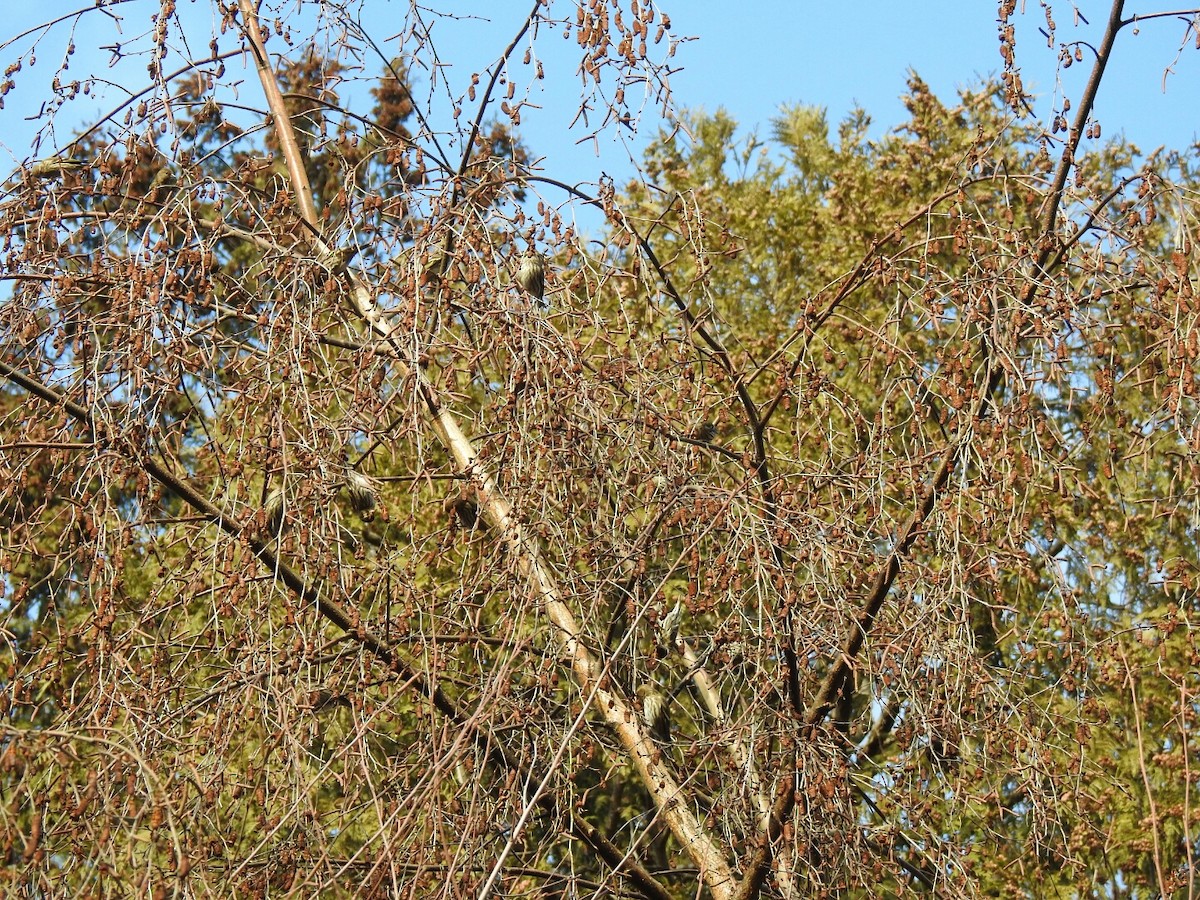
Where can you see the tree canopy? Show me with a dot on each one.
(831, 531)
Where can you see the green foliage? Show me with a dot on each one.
(1066, 544)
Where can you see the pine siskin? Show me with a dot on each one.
(337, 261)
(54, 166)
(464, 510)
(273, 512)
(532, 275)
(164, 179)
(361, 490)
(656, 709)
(668, 628)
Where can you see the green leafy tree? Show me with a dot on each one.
(1008, 695)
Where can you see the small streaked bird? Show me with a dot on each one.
(656, 708)
(164, 179)
(338, 261)
(532, 275)
(273, 512)
(55, 166)
(668, 628)
(361, 490)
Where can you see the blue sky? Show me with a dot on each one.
(842, 55)
(837, 54)
(749, 61)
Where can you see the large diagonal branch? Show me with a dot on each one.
(288, 144)
(667, 793)
(657, 779)
(1066, 161)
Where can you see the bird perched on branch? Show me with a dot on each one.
(55, 166)
(668, 628)
(273, 513)
(656, 712)
(532, 275)
(338, 260)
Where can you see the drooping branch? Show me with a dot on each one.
(756, 423)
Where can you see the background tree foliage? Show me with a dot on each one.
(832, 533)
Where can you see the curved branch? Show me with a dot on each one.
(441, 155)
(486, 99)
(368, 121)
(133, 98)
